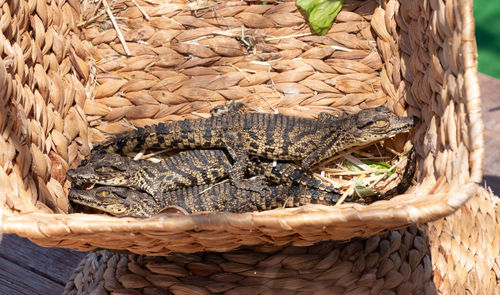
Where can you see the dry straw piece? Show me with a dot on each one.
(67, 83)
(448, 256)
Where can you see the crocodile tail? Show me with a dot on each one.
(125, 142)
(178, 135)
(315, 196)
(406, 179)
(294, 196)
(214, 197)
(286, 173)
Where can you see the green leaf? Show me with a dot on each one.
(320, 13)
(361, 190)
(308, 5)
(379, 165)
(351, 166)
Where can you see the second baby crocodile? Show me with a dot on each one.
(188, 168)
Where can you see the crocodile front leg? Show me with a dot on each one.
(230, 108)
(235, 145)
(286, 173)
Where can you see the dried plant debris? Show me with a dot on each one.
(370, 171)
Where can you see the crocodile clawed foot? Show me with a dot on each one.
(257, 185)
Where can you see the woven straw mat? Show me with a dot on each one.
(70, 78)
(455, 255)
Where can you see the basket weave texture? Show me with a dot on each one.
(66, 83)
(455, 255)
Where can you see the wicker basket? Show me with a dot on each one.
(69, 78)
(455, 255)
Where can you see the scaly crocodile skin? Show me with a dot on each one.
(125, 201)
(188, 168)
(223, 196)
(271, 136)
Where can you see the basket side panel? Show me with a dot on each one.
(454, 255)
(429, 55)
(465, 247)
(42, 95)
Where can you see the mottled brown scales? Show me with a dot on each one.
(272, 136)
(220, 197)
(188, 168)
(116, 200)
(127, 201)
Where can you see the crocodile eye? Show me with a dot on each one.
(103, 194)
(381, 123)
(103, 169)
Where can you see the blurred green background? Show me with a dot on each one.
(487, 17)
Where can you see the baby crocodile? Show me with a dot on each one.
(121, 201)
(272, 136)
(188, 168)
(220, 197)
(125, 201)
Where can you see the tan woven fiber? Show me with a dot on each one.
(42, 124)
(455, 255)
(416, 57)
(465, 247)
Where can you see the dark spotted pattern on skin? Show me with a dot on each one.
(271, 136)
(220, 197)
(252, 141)
(126, 201)
(193, 167)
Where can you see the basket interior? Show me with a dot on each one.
(68, 82)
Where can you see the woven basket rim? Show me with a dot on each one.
(430, 207)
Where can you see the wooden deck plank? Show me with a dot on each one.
(491, 117)
(15, 279)
(55, 264)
